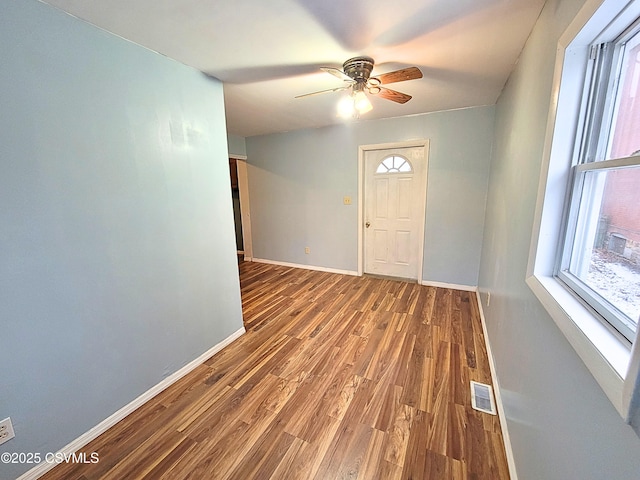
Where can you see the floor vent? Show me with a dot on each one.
(482, 398)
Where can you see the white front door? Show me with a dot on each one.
(394, 211)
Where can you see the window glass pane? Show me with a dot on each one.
(394, 164)
(606, 248)
(625, 132)
(405, 167)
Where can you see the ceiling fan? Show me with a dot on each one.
(356, 72)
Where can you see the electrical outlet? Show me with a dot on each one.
(6, 430)
(307, 250)
(346, 200)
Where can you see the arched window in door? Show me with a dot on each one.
(394, 164)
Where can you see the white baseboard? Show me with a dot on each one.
(498, 397)
(453, 286)
(109, 422)
(305, 267)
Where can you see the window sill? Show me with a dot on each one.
(606, 355)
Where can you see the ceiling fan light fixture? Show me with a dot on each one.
(356, 76)
(346, 107)
(361, 102)
(354, 105)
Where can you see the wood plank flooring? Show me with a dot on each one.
(337, 377)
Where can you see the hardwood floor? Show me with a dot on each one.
(337, 377)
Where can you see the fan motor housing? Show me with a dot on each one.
(358, 68)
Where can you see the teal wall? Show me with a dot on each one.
(117, 249)
(297, 181)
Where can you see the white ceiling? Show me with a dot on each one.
(267, 52)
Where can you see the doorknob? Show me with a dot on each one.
(368, 224)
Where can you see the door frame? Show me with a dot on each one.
(362, 149)
(245, 209)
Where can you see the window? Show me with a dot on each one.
(584, 263)
(394, 164)
(600, 260)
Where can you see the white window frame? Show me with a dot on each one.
(612, 359)
(569, 261)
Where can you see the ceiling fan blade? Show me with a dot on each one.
(337, 73)
(410, 73)
(394, 96)
(337, 89)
